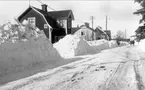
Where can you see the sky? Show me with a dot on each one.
(119, 12)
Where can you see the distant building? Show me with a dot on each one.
(108, 32)
(75, 29)
(55, 24)
(88, 33)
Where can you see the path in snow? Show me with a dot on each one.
(127, 75)
(115, 69)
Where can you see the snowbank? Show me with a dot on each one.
(141, 45)
(99, 44)
(25, 51)
(24, 55)
(22, 59)
(72, 45)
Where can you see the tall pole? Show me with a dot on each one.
(29, 3)
(125, 33)
(106, 22)
(92, 21)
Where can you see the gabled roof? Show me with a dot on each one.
(63, 14)
(99, 29)
(74, 29)
(50, 20)
(89, 28)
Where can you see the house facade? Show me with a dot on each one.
(85, 32)
(48, 21)
(89, 34)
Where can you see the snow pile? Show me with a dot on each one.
(97, 42)
(141, 45)
(25, 50)
(72, 45)
(112, 44)
(22, 56)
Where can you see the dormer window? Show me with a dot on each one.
(32, 20)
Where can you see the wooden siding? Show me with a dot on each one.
(39, 21)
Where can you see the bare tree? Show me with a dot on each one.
(120, 35)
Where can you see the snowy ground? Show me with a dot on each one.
(121, 68)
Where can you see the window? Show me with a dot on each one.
(45, 26)
(31, 20)
(82, 33)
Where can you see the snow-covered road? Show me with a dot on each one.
(120, 68)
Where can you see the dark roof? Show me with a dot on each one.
(51, 21)
(63, 14)
(74, 29)
(98, 29)
(50, 16)
(24, 13)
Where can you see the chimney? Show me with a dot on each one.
(44, 7)
(86, 24)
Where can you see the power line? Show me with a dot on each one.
(47, 5)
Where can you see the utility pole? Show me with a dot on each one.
(29, 3)
(125, 33)
(106, 22)
(92, 17)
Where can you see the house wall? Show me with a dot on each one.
(66, 24)
(97, 35)
(69, 25)
(39, 21)
(87, 33)
(63, 24)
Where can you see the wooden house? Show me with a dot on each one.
(55, 24)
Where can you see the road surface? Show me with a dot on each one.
(120, 68)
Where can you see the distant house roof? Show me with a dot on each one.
(98, 29)
(74, 29)
(85, 26)
(63, 14)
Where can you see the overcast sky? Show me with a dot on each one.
(120, 12)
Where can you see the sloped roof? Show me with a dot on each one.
(63, 14)
(74, 29)
(98, 29)
(52, 22)
(86, 28)
(50, 16)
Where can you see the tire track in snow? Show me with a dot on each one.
(114, 76)
(140, 84)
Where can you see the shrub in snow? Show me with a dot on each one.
(17, 33)
(71, 46)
